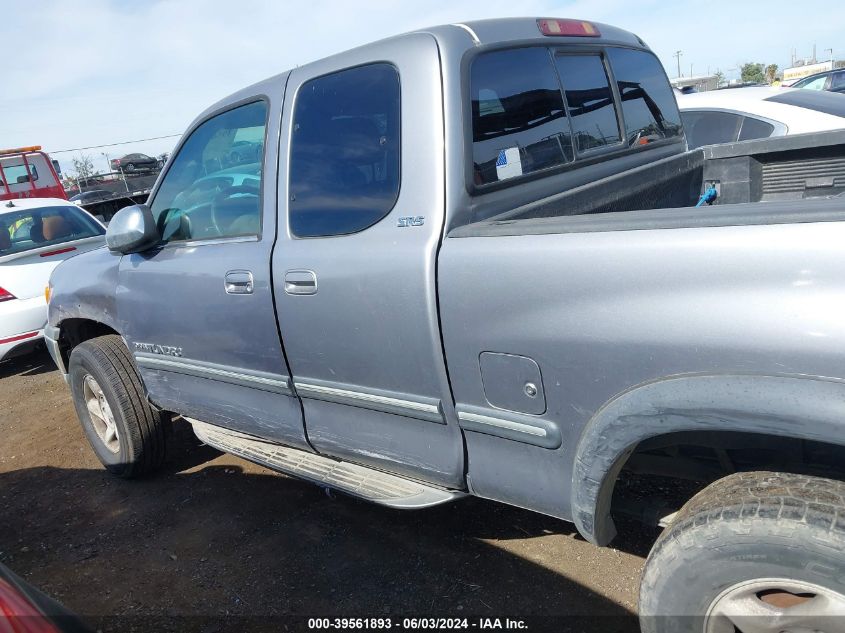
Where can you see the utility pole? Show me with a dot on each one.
(678, 57)
(830, 50)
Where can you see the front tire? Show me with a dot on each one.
(127, 434)
(752, 552)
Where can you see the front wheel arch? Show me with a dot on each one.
(74, 331)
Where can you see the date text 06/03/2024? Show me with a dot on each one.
(408, 624)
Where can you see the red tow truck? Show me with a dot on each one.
(28, 172)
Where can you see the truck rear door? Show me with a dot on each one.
(354, 265)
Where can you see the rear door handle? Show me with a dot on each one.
(301, 282)
(239, 282)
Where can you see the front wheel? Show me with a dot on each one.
(751, 553)
(126, 432)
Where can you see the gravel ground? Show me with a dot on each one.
(215, 543)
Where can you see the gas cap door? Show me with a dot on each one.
(512, 382)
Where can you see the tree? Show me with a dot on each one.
(720, 78)
(771, 73)
(752, 73)
(83, 166)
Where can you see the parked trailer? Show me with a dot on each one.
(104, 210)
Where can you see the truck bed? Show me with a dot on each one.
(780, 170)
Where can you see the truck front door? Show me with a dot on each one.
(354, 266)
(198, 311)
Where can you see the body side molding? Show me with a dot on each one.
(427, 409)
(235, 375)
(520, 427)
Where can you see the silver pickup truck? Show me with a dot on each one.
(478, 259)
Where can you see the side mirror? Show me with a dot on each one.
(132, 230)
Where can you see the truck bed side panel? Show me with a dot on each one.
(603, 312)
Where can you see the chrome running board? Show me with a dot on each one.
(353, 479)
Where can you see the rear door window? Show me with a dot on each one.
(519, 123)
(648, 105)
(345, 151)
(704, 127)
(590, 101)
(755, 128)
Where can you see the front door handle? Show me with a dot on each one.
(300, 282)
(239, 282)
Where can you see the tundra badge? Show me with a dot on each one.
(154, 348)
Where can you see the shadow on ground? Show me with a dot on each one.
(36, 362)
(215, 542)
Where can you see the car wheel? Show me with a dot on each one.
(130, 167)
(753, 552)
(127, 434)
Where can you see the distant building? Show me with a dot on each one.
(795, 73)
(702, 83)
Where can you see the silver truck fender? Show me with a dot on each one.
(801, 407)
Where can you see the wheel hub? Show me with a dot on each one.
(776, 605)
(102, 418)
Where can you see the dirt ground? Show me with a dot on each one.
(215, 543)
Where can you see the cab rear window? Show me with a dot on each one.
(29, 229)
(18, 174)
(590, 101)
(519, 123)
(539, 108)
(648, 105)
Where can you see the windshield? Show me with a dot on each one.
(811, 83)
(28, 229)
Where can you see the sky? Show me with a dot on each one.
(80, 73)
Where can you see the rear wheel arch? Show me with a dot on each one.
(801, 408)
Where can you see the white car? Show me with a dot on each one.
(742, 114)
(36, 234)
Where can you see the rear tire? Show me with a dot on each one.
(130, 167)
(754, 551)
(127, 434)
